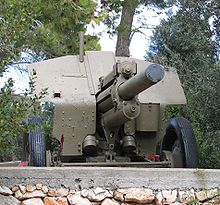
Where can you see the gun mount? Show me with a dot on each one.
(117, 101)
(110, 110)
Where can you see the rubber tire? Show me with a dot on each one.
(179, 130)
(37, 143)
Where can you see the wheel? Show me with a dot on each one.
(180, 141)
(37, 144)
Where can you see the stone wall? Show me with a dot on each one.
(108, 186)
(40, 194)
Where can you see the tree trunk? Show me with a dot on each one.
(124, 28)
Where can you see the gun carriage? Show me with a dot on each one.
(109, 111)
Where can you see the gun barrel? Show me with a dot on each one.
(140, 82)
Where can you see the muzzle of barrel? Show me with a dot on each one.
(142, 81)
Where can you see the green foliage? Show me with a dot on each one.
(187, 42)
(15, 109)
(52, 144)
(11, 118)
(48, 28)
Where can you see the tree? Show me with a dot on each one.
(125, 11)
(125, 28)
(43, 29)
(14, 112)
(188, 42)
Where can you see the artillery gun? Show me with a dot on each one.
(109, 111)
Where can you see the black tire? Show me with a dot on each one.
(37, 144)
(180, 140)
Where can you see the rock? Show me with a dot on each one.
(214, 201)
(108, 201)
(5, 191)
(55, 201)
(34, 194)
(18, 194)
(45, 189)
(30, 188)
(39, 186)
(52, 192)
(136, 195)
(201, 195)
(97, 194)
(8, 200)
(58, 192)
(84, 193)
(22, 188)
(72, 191)
(14, 189)
(213, 193)
(159, 199)
(187, 196)
(166, 197)
(61, 192)
(95, 203)
(35, 201)
(28, 195)
(170, 196)
(206, 194)
(76, 199)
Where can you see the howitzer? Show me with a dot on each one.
(121, 94)
(110, 111)
(117, 101)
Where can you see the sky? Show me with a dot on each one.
(139, 44)
(140, 41)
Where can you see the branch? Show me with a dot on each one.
(22, 62)
(138, 29)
